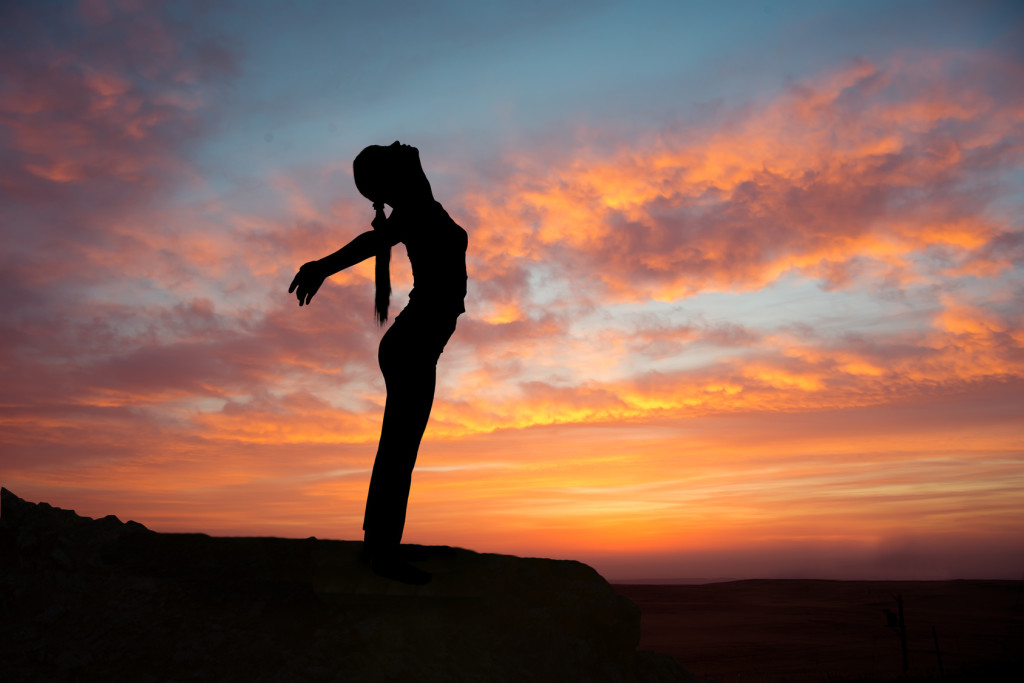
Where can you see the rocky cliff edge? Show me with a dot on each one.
(101, 599)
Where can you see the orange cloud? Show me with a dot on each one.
(873, 162)
(594, 398)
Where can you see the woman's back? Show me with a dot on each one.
(436, 245)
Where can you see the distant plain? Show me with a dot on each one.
(805, 631)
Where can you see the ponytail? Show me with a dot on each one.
(382, 274)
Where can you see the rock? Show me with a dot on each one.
(121, 602)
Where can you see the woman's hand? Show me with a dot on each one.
(307, 281)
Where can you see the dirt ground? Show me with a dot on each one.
(809, 631)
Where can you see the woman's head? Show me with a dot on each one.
(391, 174)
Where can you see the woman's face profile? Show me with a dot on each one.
(385, 174)
(405, 160)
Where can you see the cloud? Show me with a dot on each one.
(98, 109)
(710, 318)
(877, 176)
(846, 176)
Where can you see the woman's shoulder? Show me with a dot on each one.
(456, 231)
(430, 221)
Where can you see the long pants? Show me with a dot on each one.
(408, 359)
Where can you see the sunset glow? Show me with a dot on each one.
(751, 307)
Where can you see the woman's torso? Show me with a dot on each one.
(436, 246)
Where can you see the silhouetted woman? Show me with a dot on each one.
(409, 350)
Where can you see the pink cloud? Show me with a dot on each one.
(93, 124)
(150, 348)
(845, 176)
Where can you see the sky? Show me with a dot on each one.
(746, 293)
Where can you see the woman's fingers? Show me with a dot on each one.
(305, 286)
(306, 292)
(299, 287)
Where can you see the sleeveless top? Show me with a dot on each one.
(436, 246)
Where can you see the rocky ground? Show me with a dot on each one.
(102, 600)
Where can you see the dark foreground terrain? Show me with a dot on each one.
(815, 631)
(105, 600)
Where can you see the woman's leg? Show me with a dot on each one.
(406, 411)
(408, 358)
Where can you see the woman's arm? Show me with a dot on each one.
(358, 250)
(364, 246)
(311, 275)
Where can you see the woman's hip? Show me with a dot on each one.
(416, 337)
